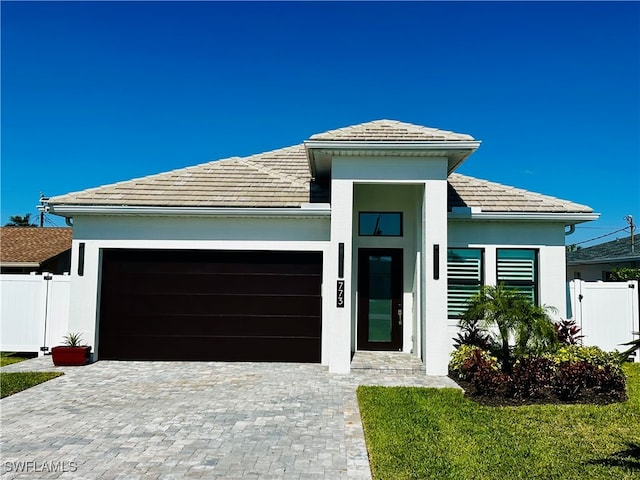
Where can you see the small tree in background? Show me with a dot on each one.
(623, 274)
(18, 221)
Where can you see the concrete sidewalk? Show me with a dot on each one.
(169, 420)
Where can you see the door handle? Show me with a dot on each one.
(399, 316)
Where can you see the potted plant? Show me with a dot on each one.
(72, 353)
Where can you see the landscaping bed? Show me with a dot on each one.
(572, 374)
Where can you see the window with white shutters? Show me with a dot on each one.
(465, 276)
(518, 270)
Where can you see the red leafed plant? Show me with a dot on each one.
(568, 332)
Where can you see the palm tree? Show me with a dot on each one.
(18, 221)
(509, 317)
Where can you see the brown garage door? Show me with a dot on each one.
(210, 305)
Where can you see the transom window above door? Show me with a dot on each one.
(380, 224)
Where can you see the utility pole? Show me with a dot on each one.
(632, 228)
(43, 200)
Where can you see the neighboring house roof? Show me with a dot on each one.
(281, 178)
(31, 246)
(613, 251)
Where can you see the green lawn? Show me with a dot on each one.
(14, 382)
(7, 358)
(421, 433)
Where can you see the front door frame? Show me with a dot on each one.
(397, 283)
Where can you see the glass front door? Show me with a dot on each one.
(380, 299)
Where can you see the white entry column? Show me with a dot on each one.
(339, 276)
(436, 355)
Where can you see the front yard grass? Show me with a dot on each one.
(14, 382)
(7, 358)
(422, 433)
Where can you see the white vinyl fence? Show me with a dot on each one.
(607, 312)
(34, 312)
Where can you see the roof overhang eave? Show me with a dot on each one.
(319, 210)
(459, 150)
(384, 145)
(567, 218)
(20, 264)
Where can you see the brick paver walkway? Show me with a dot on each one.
(171, 420)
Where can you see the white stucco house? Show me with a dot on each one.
(360, 238)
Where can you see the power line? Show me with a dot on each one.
(602, 236)
(580, 227)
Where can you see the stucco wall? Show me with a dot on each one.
(548, 238)
(420, 189)
(427, 331)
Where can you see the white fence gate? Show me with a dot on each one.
(607, 313)
(34, 312)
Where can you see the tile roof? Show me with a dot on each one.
(467, 191)
(390, 131)
(281, 178)
(32, 244)
(608, 251)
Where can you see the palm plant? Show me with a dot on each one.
(510, 318)
(633, 346)
(72, 340)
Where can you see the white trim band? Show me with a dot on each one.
(306, 211)
(571, 217)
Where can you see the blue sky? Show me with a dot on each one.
(99, 92)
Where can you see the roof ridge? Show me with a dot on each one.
(386, 130)
(253, 161)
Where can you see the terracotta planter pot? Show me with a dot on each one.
(70, 356)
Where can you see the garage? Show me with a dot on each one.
(210, 305)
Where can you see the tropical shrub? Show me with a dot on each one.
(622, 274)
(567, 332)
(467, 360)
(584, 369)
(490, 381)
(533, 377)
(472, 334)
(517, 322)
(575, 379)
(590, 354)
(572, 372)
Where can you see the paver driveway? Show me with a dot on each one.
(165, 420)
